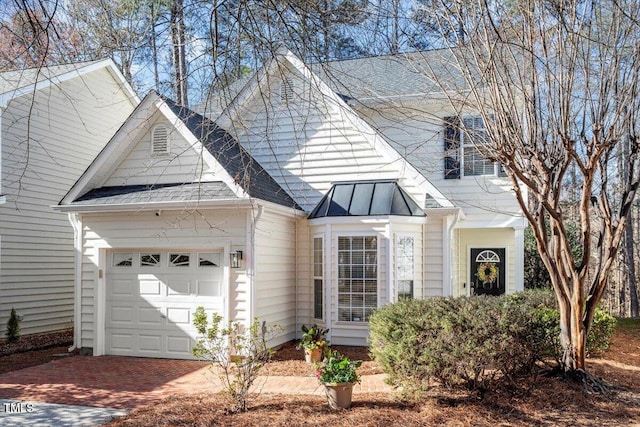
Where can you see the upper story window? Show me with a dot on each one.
(160, 140)
(463, 141)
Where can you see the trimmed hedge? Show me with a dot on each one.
(471, 341)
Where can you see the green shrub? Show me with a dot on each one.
(471, 341)
(13, 327)
(454, 341)
(599, 338)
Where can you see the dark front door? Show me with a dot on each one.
(488, 271)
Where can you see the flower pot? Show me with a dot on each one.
(339, 395)
(314, 355)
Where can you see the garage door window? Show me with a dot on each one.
(123, 259)
(178, 260)
(208, 260)
(149, 260)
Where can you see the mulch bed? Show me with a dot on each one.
(35, 349)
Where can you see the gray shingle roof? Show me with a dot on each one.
(136, 194)
(366, 198)
(246, 172)
(244, 169)
(401, 75)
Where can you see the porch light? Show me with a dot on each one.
(236, 257)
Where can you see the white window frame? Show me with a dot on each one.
(401, 272)
(466, 143)
(318, 277)
(364, 293)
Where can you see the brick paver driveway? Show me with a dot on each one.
(130, 382)
(106, 381)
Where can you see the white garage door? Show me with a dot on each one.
(151, 296)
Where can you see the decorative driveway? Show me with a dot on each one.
(131, 382)
(106, 381)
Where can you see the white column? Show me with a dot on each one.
(519, 258)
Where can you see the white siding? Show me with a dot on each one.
(275, 272)
(310, 142)
(417, 134)
(49, 137)
(202, 229)
(183, 164)
(304, 268)
(433, 257)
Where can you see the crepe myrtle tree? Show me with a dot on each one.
(557, 84)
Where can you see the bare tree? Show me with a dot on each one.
(558, 85)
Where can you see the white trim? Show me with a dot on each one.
(100, 295)
(60, 78)
(448, 226)
(368, 220)
(329, 279)
(313, 277)
(396, 238)
(519, 259)
(76, 224)
(370, 233)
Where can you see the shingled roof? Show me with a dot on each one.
(240, 165)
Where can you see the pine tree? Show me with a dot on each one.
(13, 327)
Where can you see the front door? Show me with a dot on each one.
(488, 271)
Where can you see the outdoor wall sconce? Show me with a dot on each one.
(236, 257)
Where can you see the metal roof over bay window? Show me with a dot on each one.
(366, 198)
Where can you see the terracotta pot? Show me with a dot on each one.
(314, 355)
(339, 395)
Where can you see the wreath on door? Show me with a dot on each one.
(487, 273)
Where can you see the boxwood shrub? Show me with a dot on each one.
(471, 341)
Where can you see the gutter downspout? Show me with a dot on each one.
(76, 224)
(252, 287)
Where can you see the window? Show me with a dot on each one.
(123, 259)
(206, 259)
(178, 260)
(463, 148)
(149, 260)
(318, 278)
(404, 266)
(357, 278)
(473, 137)
(160, 140)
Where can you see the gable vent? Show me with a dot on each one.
(160, 140)
(286, 90)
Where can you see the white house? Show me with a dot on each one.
(54, 121)
(301, 202)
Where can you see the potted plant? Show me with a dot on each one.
(338, 375)
(313, 342)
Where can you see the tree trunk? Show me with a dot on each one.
(154, 46)
(178, 50)
(572, 336)
(631, 268)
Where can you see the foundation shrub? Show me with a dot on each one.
(469, 341)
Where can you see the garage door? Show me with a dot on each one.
(151, 297)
